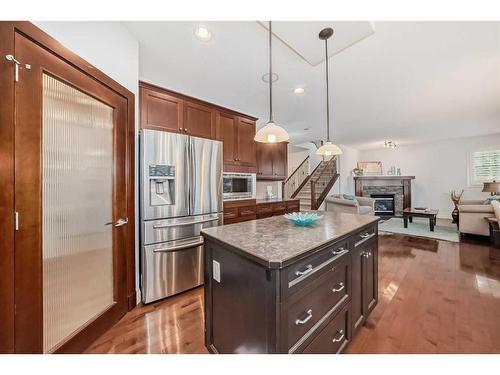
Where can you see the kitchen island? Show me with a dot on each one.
(273, 287)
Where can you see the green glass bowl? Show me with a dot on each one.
(303, 219)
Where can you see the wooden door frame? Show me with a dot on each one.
(8, 29)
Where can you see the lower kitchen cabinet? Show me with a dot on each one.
(314, 305)
(244, 210)
(365, 277)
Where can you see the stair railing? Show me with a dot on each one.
(330, 167)
(294, 182)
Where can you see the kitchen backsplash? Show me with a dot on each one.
(262, 189)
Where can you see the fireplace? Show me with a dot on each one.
(384, 204)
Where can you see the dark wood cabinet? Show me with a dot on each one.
(237, 134)
(246, 144)
(272, 161)
(364, 277)
(225, 131)
(199, 120)
(259, 210)
(306, 306)
(160, 111)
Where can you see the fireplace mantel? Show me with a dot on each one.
(383, 183)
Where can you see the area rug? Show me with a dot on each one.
(444, 229)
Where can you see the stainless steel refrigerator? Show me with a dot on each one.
(181, 193)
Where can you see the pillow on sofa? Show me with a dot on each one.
(349, 197)
(492, 198)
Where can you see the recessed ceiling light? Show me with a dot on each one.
(203, 34)
(299, 90)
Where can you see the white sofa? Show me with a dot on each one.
(359, 205)
(471, 217)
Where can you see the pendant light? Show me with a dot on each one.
(271, 133)
(328, 148)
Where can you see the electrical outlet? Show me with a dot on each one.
(216, 270)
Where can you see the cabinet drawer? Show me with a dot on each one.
(307, 309)
(279, 207)
(264, 208)
(230, 213)
(364, 235)
(334, 337)
(247, 211)
(300, 274)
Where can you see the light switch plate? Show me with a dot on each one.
(216, 270)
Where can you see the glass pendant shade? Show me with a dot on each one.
(271, 133)
(328, 149)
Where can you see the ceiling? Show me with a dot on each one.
(407, 82)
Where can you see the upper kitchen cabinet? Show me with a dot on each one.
(199, 120)
(237, 134)
(225, 131)
(160, 111)
(246, 145)
(272, 159)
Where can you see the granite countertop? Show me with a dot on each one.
(274, 200)
(275, 242)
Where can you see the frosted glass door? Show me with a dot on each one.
(77, 196)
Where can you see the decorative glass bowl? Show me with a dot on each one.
(303, 219)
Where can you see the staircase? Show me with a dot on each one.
(311, 189)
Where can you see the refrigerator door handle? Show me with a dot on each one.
(183, 246)
(159, 226)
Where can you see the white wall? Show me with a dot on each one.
(439, 167)
(111, 48)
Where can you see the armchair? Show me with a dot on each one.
(471, 217)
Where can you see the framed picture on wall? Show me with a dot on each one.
(371, 168)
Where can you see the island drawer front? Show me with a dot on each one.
(307, 309)
(334, 337)
(364, 235)
(300, 274)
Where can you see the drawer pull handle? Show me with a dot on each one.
(339, 338)
(305, 272)
(340, 287)
(367, 254)
(306, 319)
(339, 251)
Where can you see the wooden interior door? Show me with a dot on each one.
(245, 142)
(71, 200)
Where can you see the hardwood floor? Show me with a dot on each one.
(434, 297)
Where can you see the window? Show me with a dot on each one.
(484, 166)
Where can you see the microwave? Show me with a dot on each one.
(239, 186)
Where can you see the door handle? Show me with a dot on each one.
(340, 250)
(308, 269)
(340, 287)
(306, 319)
(121, 222)
(338, 338)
